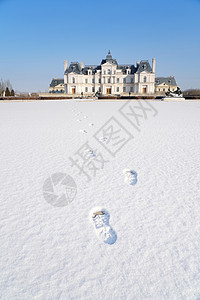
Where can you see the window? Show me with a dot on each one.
(104, 80)
(86, 89)
(93, 80)
(99, 89)
(145, 79)
(99, 80)
(124, 89)
(163, 90)
(117, 80)
(93, 89)
(86, 81)
(113, 79)
(131, 89)
(73, 80)
(128, 72)
(109, 71)
(117, 89)
(104, 72)
(131, 79)
(124, 80)
(108, 79)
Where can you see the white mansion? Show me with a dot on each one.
(109, 78)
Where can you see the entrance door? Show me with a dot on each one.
(73, 90)
(108, 91)
(144, 90)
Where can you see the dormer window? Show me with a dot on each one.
(144, 67)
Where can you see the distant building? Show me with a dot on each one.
(162, 84)
(57, 86)
(109, 78)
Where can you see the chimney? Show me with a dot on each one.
(81, 65)
(65, 65)
(153, 65)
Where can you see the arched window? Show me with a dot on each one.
(73, 80)
(108, 79)
(145, 79)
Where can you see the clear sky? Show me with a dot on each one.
(37, 36)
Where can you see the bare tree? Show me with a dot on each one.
(3, 85)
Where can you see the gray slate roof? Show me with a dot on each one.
(144, 66)
(76, 68)
(56, 81)
(109, 59)
(168, 80)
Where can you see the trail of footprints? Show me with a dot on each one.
(81, 119)
(100, 216)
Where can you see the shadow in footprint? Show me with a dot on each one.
(100, 218)
(130, 176)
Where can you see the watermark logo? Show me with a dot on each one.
(88, 161)
(113, 136)
(136, 112)
(59, 189)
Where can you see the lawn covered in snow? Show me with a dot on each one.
(54, 252)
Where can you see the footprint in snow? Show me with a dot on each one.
(91, 124)
(90, 153)
(100, 218)
(79, 120)
(83, 131)
(130, 176)
(103, 139)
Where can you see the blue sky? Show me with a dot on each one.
(37, 36)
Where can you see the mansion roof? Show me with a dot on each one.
(56, 81)
(75, 67)
(168, 80)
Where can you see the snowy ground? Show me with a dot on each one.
(50, 252)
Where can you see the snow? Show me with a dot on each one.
(50, 252)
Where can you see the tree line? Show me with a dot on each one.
(6, 88)
(191, 92)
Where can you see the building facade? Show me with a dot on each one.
(163, 84)
(109, 78)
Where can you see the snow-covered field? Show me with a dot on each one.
(50, 252)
